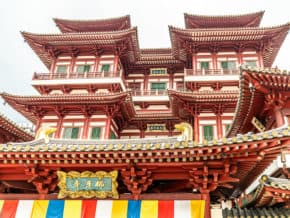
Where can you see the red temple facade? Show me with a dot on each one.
(114, 106)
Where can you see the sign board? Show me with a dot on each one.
(259, 126)
(87, 184)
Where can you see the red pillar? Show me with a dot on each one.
(86, 128)
(116, 61)
(52, 66)
(171, 80)
(58, 127)
(260, 59)
(196, 128)
(142, 133)
(194, 67)
(240, 58)
(146, 81)
(205, 196)
(96, 65)
(108, 127)
(72, 66)
(38, 124)
(279, 116)
(214, 60)
(219, 126)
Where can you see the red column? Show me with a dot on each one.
(279, 116)
(97, 60)
(146, 81)
(142, 133)
(196, 128)
(86, 128)
(108, 127)
(116, 61)
(219, 126)
(38, 124)
(194, 67)
(72, 66)
(240, 58)
(260, 59)
(171, 80)
(214, 61)
(58, 127)
(205, 196)
(52, 66)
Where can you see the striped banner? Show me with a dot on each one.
(101, 209)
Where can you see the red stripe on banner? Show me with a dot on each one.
(165, 209)
(88, 208)
(9, 209)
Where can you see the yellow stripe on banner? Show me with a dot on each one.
(197, 208)
(1, 204)
(72, 208)
(149, 209)
(119, 209)
(39, 209)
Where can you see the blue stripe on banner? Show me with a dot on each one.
(133, 209)
(55, 209)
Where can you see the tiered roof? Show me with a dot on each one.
(268, 40)
(256, 212)
(202, 101)
(204, 21)
(271, 191)
(102, 25)
(248, 153)
(11, 131)
(255, 83)
(47, 46)
(29, 106)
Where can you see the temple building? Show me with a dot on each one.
(200, 129)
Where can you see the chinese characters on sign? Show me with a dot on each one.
(88, 184)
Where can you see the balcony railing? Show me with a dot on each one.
(211, 72)
(85, 75)
(149, 92)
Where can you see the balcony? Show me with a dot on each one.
(211, 75)
(149, 92)
(85, 75)
(150, 95)
(103, 79)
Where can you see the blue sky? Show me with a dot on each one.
(18, 62)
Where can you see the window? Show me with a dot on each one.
(96, 132)
(61, 69)
(228, 65)
(83, 68)
(208, 132)
(158, 86)
(105, 68)
(204, 65)
(251, 63)
(71, 133)
(158, 71)
(112, 135)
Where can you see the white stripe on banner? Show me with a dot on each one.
(24, 209)
(182, 209)
(104, 208)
